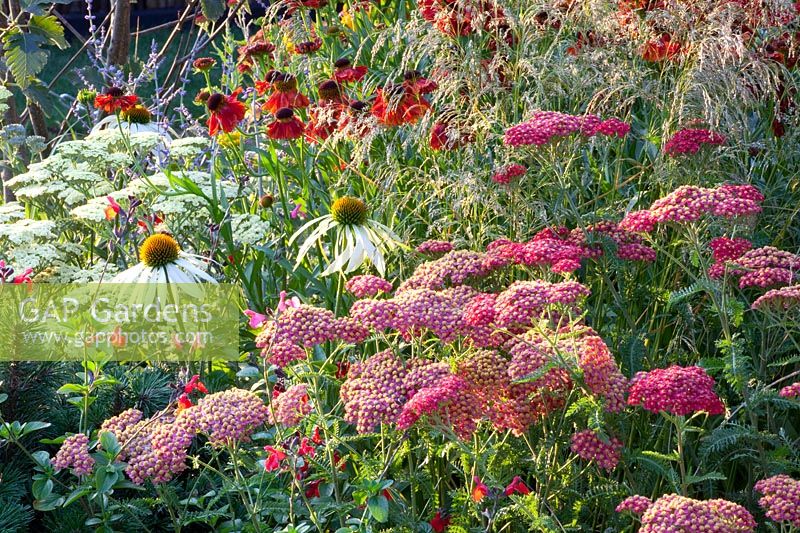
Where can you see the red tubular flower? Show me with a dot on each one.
(184, 402)
(440, 522)
(316, 437)
(225, 112)
(306, 448)
(113, 208)
(285, 95)
(516, 485)
(285, 126)
(195, 384)
(312, 488)
(345, 72)
(274, 458)
(114, 99)
(479, 491)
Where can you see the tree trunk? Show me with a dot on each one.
(120, 33)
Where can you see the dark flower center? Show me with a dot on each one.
(284, 114)
(116, 92)
(342, 63)
(329, 90)
(215, 101)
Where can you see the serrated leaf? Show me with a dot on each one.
(212, 9)
(48, 27)
(23, 56)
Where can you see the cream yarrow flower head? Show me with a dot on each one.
(356, 237)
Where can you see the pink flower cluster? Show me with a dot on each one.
(781, 499)
(675, 390)
(153, 449)
(547, 126)
(673, 514)
(506, 174)
(285, 339)
(689, 141)
(791, 391)
(781, 299)
(74, 454)
(485, 386)
(226, 416)
(689, 203)
(764, 267)
(367, 285)
(289, 408)
(434, 247)
(589, 446)
(635, 504)
(450, 398)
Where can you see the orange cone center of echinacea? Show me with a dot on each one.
(159, 250)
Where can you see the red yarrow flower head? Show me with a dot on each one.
(517, 486)
(675, 390)
(285, 126)
(345, 72)
(479, 490)
(225, 112)
(114, 99)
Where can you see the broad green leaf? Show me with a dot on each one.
(379, 508)
(70, 388)
(23, 56)
(48, 27)
(212, 9)
(30, 427)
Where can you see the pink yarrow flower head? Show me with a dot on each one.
(433, 247)
(227, 416)
(791, 391)
(674, 513)
(367, 285)
(726, 249)
(506, 174)
(589, 446)
(74, 454)
(781, 299)
(291, 406)
(781, 500)
(548, 126)
(675, 390)
(635, 504)
(690, 141)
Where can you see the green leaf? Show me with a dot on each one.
(30, 427)
(76, 494)
(379, 507)
(23, 56)
(212, 9)
(711, 476)
(48, 504)
(42, 458)
(3, 397)
(72, 388)
(108, 441)
(42, 488)
(35, 6)
(48, 27)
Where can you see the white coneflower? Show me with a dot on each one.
(356, 239)
(136, 119)
(162, 261)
